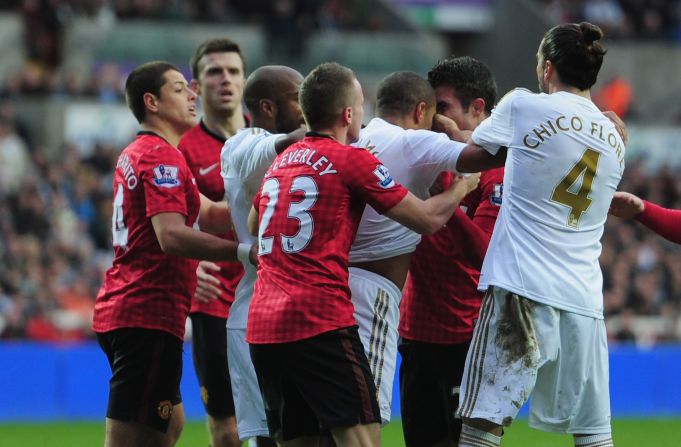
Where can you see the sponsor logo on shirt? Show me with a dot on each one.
(204, 171)
(166, 176)
(385, 180)
(495, 198)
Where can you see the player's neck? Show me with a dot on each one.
(339, 134)
(163, 130)
(224, 125)
(399, 121)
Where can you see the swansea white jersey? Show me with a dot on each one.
(245, 159)
(414, 158)
(565, 160)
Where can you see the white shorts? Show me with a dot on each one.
(248, 403)
(522, 347)
(377, 311)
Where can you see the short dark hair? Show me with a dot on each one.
(469, 77)
(221, 45)
(399, 92)
(146, 78)
(325, 92)
(575, 52)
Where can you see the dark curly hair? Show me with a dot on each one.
(469, 77)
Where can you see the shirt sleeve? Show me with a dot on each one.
(497, 130)
(366, 176)
(250, 158)
(165, 179)
(432, 152)
(663, 221)
(491, 191)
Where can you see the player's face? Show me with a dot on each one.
(177, 102)
(357, 113)
(450, 106)
(221, 82)
(289, 114)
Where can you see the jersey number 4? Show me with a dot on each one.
(296, 210)
(566, 192)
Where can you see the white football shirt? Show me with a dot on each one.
(414, 158)
(244, 160)
(565, 160)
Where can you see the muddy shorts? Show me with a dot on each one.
(522, 347)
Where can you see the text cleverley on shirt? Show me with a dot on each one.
(321, 165)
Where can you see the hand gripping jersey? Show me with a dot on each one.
(146, 288)
(414, 158)
(201, 148)
(441, 300)
(565, 160)
(245, 159)
(310, 204)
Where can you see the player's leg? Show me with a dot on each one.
(209, 354)
(146, 369)
(572, 391)
(248, 401)
(377, 307)
(513, 338)
(290, 420)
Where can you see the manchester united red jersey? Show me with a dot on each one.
(145, 287)
(310, 205)
(202, 148)
(440, 300)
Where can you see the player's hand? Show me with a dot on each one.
(467, 181)
(449, 127)
(626, 205)
(253, 255)
(207, 286)
(619, 124)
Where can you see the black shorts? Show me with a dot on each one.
(209, 352)
(430, 376)
(312, 385)
(146, 368)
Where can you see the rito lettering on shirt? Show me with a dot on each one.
(321, 165)
(125, 165)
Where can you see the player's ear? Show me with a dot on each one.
(267, 107)
(419, 112)
(548, 70)
(150, 102)
(477, 106)
(194, 85)
(346, 116)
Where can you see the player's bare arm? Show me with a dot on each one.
(626, 205)
(214, 217)
(448, 126)
(253, 221)
(474, 158)
(426, 217)
(176, 238)
(286, 140)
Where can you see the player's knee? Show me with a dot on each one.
(223, 432)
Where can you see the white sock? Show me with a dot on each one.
(604, 440)
(473, 437)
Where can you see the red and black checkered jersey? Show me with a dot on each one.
(145, 287)
(310, 204)
(441, 300)
(202, 148)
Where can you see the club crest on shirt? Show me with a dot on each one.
(166, 176)
(495, 198)
(385, 180)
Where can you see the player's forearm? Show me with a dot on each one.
(285, 141)
(663, 221)
(215, 217)
(474, 158)
(439, 209)
(189, 243)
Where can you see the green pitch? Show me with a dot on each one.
(627, 433)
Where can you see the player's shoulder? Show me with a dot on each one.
(515, 94)
(191, 138)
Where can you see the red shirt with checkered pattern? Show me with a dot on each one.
(202, 148)
(310, 205)
(441, 300)
(146, 288)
